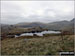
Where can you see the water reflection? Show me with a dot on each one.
(38, 33)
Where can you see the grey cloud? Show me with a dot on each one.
(12, 13)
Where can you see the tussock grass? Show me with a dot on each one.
(46, 45)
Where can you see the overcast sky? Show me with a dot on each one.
(36, 11)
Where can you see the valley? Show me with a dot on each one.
(48, 44)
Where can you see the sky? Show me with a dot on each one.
(13, 12)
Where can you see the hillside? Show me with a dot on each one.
(49, 45)
(71, 26)
(32, 24)
(59, 25)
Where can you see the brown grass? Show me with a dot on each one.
(37, 45)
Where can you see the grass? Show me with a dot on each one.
(46, 45)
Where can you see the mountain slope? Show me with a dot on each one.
(71, 27)
(59, 25)
(33, 24)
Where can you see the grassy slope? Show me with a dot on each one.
(33, 46)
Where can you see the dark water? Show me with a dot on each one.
(38, 33)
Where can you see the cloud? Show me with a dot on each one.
(30, 11)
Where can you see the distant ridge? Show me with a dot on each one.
(59, 25)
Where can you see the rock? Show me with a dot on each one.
(11, 36)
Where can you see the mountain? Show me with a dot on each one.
(33, 24)
(71, 26)
(73, 20)
(5, 28)
(57, 25)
